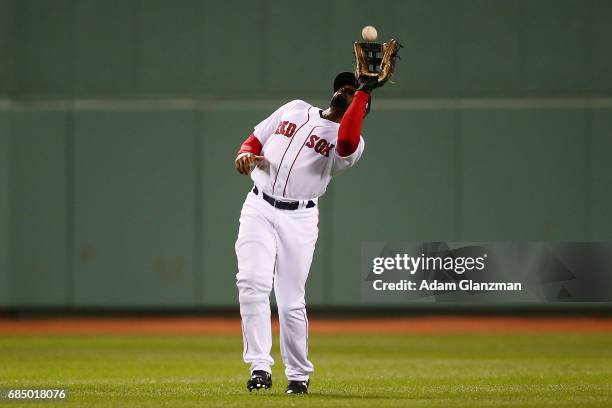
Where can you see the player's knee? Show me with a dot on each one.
(252, 286)
(291, 308)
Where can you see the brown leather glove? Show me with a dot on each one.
(371, 69)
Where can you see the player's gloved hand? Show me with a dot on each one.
(367, 84)
(366, 56)
(246, 162)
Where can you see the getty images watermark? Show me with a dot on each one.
(458, 265)
(486, 272)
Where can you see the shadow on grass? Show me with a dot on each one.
(342, 396)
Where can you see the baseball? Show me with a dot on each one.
(369, 33)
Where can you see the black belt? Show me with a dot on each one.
(283, 205)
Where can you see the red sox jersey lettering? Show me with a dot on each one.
(286, 128)
(299, 146)
(321, 146)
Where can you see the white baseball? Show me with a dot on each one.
(369, 33)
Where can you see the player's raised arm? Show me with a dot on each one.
(351, 123)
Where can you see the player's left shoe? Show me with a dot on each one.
(297, 387)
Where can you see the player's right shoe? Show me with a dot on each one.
(259, 379)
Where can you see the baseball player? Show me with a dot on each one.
(291, 156)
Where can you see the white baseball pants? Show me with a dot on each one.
(275, 249)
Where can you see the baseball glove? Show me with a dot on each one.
(371, 68)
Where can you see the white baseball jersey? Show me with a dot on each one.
(300, 147)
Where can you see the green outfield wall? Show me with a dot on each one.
(119, 122)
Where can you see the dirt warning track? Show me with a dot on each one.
(371, 326)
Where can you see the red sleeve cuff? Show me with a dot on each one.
(251, 145)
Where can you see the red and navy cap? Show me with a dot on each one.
(345, 78)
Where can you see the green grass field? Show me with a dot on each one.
(470, 370)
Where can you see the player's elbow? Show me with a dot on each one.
(345, 148)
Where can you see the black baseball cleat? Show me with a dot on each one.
(259, 379)
(297, 387)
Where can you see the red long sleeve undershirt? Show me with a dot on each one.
(251, 145)
(350, 125)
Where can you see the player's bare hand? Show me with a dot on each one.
(247, 162)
